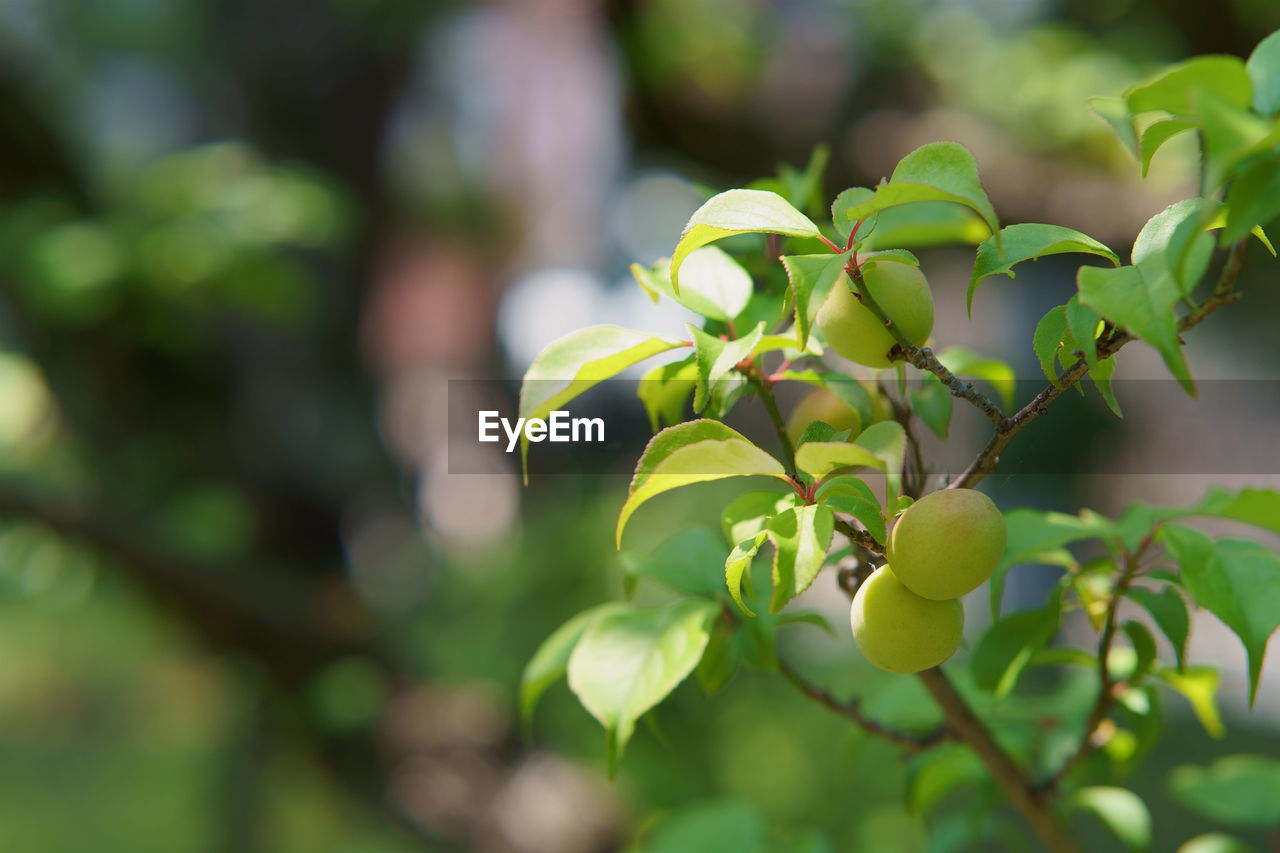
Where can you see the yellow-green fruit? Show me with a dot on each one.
(898, 630)
(900, 290)
(823, 405)
(947, 543)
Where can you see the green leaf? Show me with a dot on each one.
(720, 660)
(1231, 133)
(887, 441)
(1083, 322)
(938, 772)
(687, 562)
(1140, 299)
(1263, 68)
(1238, 790)
(665, 390)
(550, 662)
(819, 459)
(1200, 685)
(968, 364)
(854, 497)
(811, 278)
(1253, 198)
(939, 171)
(1258, 507)
(715, 826)
(1236, 580)
(1121, 810)
(1173, 240)
(713, 284)
(1157, 134)
(738, 563)
(928, 223)
(577, 361)
(933, 403)
(1032, 535)
(1115, 112)
(738, 212)
(1047, 338)
(628, 661)
(801, 537)
(1144, 647)
(1100, 375)
(1174, 90)
(847, 200)
(1169, 610)
(715, 360)
(1028, 242)
(1008, 646)
(694, 452)
(1215, 842)
(745, 515)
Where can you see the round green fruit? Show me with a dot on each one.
(947, 543)
(898, 630)
(823, 405)
(900, 290)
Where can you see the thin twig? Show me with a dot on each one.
(910, 741)
(989, 456)
(859, 537)
(765, 389)
(923, 357)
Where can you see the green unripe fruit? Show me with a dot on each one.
(900, 290)
(947, 543)
(898, 630)
(823, 405)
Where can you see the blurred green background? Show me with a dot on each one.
(244, 245)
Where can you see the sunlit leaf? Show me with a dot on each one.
(811, 278)
(1263, 68)
(1121, 810)
(694, 452)
(738, 212)
(1200, 685)
(1175, 89)
(715, 360)
(712, 283)
(551, 661)
(665, 390)
(801, 537)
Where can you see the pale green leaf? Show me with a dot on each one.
(1027, 242)
(579, 360)
(1231, 133)
(694, 452)
(1156, 135)
(1115, 112)
(924, 224)
(852, 496)
(689, 562)
(1121, 810)
(847, 200)
(738, 212)
(628, 661)
(665, 390)
(550, 662)
(1100, 375)
(745, 515)
(1263, 68)
(819, 459)
(712, 283)
(739, 562)
(1199, 684)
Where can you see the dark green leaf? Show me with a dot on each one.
(1169, 611)
(1236, 580)
(1008, 646)
(688, 562)
(1027, 242)
(933, 403)
(1238, 790)
(1047, 338)
(1253, 198)
(730, 826)
(1083, 323)
(854, 497)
